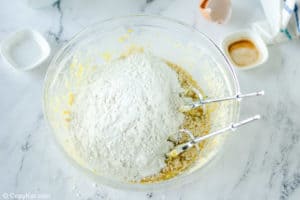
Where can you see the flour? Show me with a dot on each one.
(121, 121)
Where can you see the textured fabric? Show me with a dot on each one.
(282, 24)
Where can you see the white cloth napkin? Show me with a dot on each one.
(282, 21)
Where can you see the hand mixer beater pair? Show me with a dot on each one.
(194, 141)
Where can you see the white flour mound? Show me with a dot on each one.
(122, 120)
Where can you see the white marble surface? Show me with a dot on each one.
(261, 161)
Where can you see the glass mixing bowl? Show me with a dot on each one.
(166, 38)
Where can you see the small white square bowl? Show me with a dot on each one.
(25, 42)
(253, 37)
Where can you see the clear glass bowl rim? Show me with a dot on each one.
(172, 183)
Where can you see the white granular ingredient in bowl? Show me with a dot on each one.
(122, 120)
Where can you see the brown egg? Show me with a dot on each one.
(217, 11)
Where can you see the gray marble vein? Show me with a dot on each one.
(57, 35)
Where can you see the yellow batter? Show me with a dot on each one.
(196, 120)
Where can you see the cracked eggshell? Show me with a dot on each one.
(218, 11)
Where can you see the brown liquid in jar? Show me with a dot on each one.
(243, 52)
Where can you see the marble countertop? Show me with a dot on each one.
(261, 161)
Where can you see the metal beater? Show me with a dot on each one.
(201, 102)
(196, 140)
